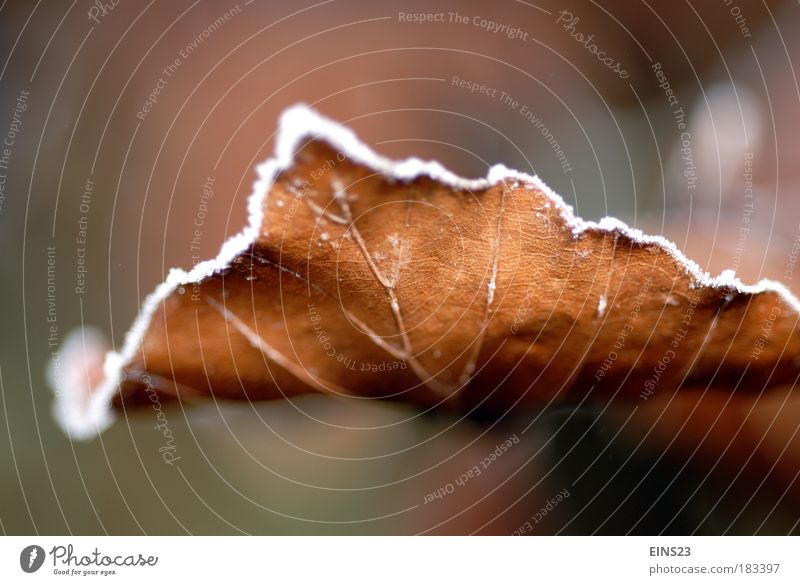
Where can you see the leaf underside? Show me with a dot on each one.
(361, 284)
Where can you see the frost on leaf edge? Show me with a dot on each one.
(83, 419)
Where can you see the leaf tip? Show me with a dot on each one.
(76, 374)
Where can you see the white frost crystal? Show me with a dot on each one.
(83, 400)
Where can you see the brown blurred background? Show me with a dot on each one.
(74, 89)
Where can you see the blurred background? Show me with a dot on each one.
(680, 118)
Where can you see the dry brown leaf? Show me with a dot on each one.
(367, 278)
